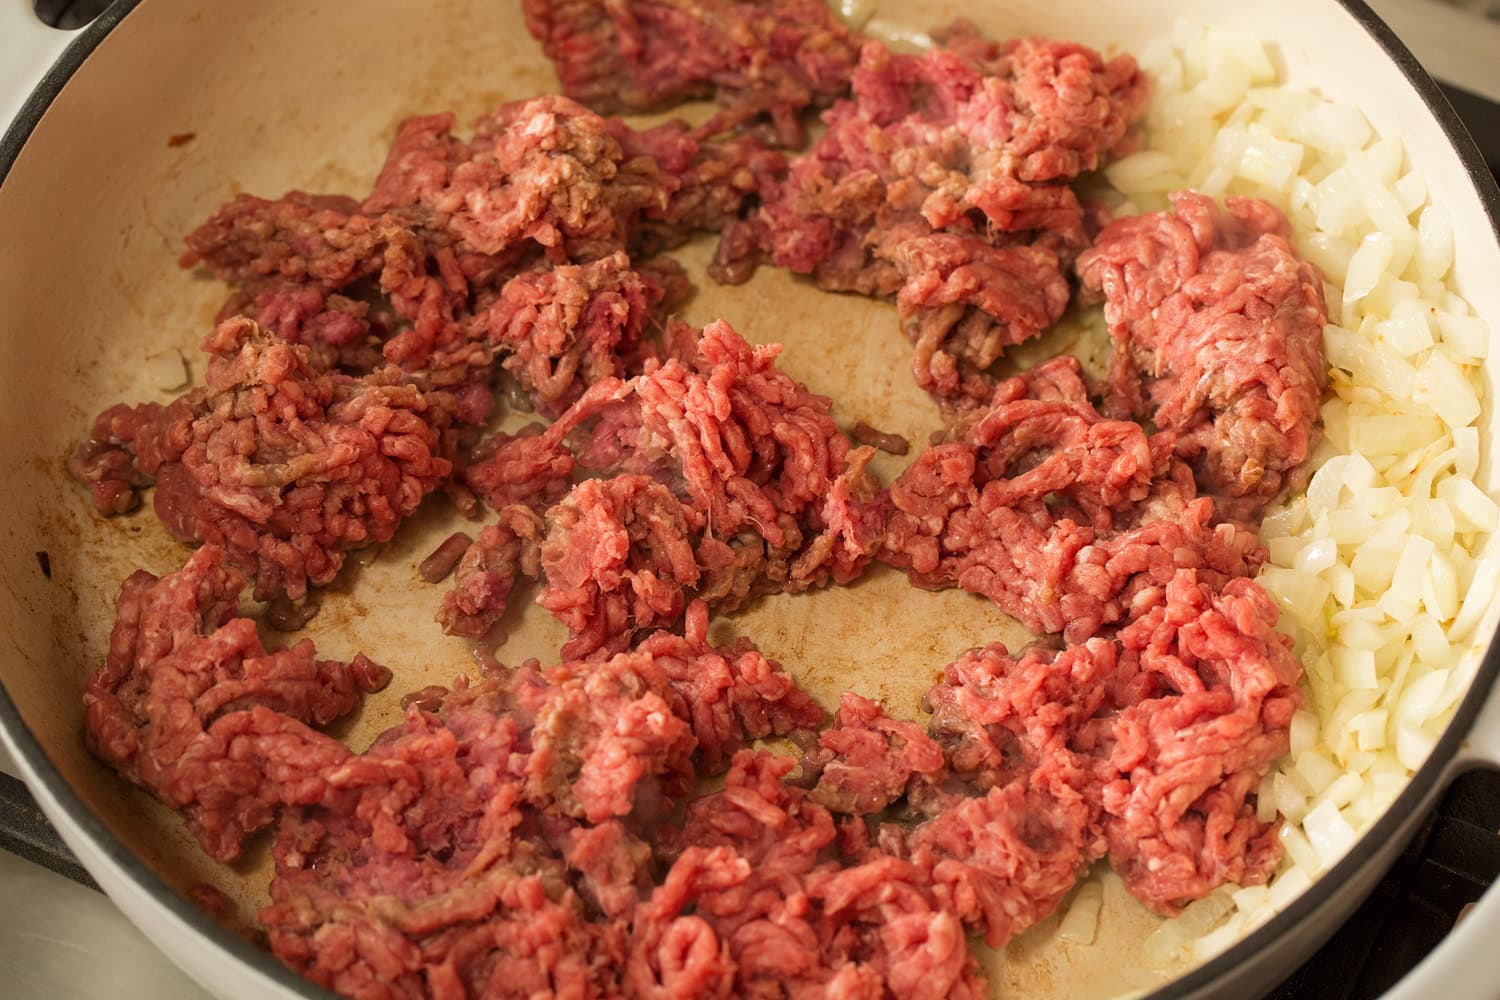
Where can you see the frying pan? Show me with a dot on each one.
(161, 109)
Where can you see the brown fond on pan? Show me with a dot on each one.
(308, 95)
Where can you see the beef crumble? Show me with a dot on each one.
(943, 180)
(284, 466)
(1060, 516)
(730, 479)
(1218, 335)
(190, 705)
(768, 59)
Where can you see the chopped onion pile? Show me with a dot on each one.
(1380, 569)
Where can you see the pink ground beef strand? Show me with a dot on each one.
(285, 467)
(1218, 335)
(504, 552)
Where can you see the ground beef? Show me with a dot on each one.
(543, 173)
(706, 182)
(1059, 516)
(1220, 689)
(736, 481)
(569, 327)
(192, 707)
(491, 842)
(866, 760)
(617, 557)
(533, 831)
(742, 441)
(1218, 335)
(996, 716)
(730, 694)
(1165, 730)
(444, 559)
(761, 59)
(286, 467)
(964, 302)
(443, 269)
(944, 179)
(758, 903)
(1004, 860)
(508, 549)
(291, 259)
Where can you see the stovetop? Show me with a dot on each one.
(59, 938)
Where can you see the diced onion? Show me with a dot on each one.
(1081, 922)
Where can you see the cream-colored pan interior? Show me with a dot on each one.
(307, 95)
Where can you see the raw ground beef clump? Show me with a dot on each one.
(501, 832)
(1060, 516)
(1218, 335)
(190, 705)
(1165, 731)
(943, 180)
(284, 466)
(440, 270)
(727, 479)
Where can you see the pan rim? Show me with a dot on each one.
(1393, 824)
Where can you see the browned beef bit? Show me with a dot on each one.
(442, 560)
(944, 180)
(1218, 335)
(731, 479)
(285, 615)
(893, 444)
(286, 467)
(192, 707)
(762, 59)
(494, 840)
(1061, 517)
(488, 569)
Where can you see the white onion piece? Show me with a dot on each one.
(1367, 265)
(1434, 254)
(1467, 337)
(1328, 832)
(1442, 385)
(1081, 922)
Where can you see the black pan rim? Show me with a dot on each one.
(1423, 784)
